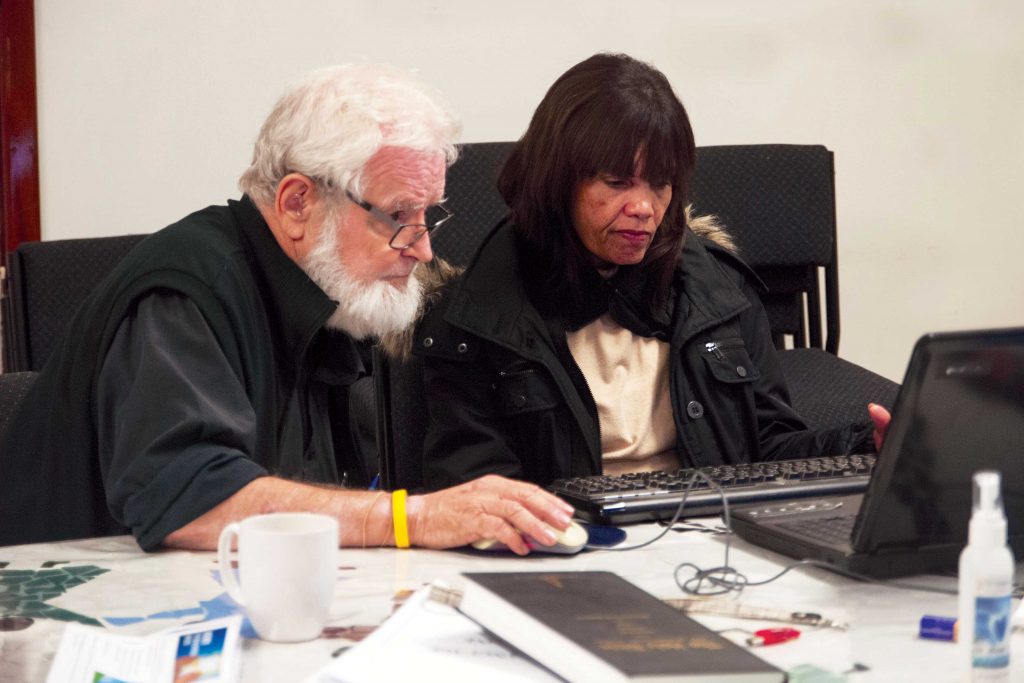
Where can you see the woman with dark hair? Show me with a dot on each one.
(601, 328)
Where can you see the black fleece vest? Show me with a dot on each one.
(259, 304)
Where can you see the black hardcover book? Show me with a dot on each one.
(596, 626)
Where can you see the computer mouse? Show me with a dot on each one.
(568, 542)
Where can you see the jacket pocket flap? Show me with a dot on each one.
(525, 391)
(730, 363)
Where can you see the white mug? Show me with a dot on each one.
(287, 568)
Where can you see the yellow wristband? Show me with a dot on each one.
(400, 518)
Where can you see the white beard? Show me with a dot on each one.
(364, 310)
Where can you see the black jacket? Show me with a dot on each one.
(502, 402)
(274, 373)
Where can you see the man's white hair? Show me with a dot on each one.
(330, 124)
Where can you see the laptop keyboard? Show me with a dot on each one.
(643, 496)
(830, 530)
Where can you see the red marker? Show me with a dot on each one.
(772, 636)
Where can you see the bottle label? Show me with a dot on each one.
(991, 647)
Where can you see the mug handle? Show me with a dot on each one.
(227, 573)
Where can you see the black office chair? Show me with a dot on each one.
(401, 412)
(471, 189)
(13, 387)
(828, 391)
(47, 281)
(778, 202)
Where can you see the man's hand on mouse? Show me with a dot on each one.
(490, 507)
(569, 542)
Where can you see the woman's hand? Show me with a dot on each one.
(881, 417)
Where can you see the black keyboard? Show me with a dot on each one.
(646, 496)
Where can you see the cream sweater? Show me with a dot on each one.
(628, 377)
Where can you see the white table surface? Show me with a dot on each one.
(882, 634)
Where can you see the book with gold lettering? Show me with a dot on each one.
(596, 626)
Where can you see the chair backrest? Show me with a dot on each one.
(471, 189)
(778, 202)
(13, 387)
(401, 421)
(47, 283)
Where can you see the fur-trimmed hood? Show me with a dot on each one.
(434, 275)
(707, 226)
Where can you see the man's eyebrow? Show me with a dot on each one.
(405, 204)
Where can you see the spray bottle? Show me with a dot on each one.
(986, 578)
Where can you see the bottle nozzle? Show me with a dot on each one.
(987, 497)
(988, 521)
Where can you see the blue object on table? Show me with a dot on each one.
(604, 536)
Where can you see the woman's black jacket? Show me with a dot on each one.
(501, 402)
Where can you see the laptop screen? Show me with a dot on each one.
(960, 409)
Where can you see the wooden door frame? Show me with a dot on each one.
(19, 145)
(19, 138)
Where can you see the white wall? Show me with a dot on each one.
(148, 110)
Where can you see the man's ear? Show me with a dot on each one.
(296, 197)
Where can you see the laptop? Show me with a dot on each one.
(960, 409)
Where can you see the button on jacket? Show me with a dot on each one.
(502, 402)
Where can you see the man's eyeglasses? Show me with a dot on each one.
(406, 234)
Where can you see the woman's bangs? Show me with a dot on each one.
(662, 162)
(603, 147)
(622, 150)
(662, 148)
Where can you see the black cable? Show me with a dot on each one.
(859, 577)
(740, 580)
(675, 518)
(724, 579)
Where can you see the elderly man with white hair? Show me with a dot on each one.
(206, 379)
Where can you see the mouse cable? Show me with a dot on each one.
(694, 478)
